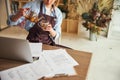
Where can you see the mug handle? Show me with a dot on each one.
(39, 23)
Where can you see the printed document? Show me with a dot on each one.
(23, 72)
(51, 63)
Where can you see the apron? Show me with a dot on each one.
(37, 34)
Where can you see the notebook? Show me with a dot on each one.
(16, 49)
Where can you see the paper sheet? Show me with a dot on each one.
(41, 68)
(59, 58)
(60, 61)
(36, 49)
(51, 62)
(19, 73)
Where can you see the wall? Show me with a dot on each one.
(114, 28)
(3, 14)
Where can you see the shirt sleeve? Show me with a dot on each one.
(12, 23)
(57, 27)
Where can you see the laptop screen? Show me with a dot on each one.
(16, 49)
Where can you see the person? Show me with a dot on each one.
(48, 12)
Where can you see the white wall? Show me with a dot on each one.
(3, 14)
(114, 28)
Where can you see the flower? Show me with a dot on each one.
(95, 20)
(92, 27)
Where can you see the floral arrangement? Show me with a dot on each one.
(95, 20)
(92, 27)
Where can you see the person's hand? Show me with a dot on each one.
(48, 28)
(20, 13)
(51, 30)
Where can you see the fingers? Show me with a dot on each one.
(48, 28)
(22, 11)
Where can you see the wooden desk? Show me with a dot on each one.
(83, 58)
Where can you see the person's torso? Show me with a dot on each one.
(37, 32)
(35, 6)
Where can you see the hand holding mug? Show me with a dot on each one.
(43, 24)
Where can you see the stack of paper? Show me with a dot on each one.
(51, 63)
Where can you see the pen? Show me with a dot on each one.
(42, 78)
(55, 76)
(60, 75)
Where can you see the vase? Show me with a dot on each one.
(93, 36)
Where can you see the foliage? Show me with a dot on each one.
(64, 2)
(96, 20)
(63, 8)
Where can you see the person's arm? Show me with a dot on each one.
(18, 17)
(56, 31)
(57, 26)
(19, 14)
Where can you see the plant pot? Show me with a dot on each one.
(93, 36)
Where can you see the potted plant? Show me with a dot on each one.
(94, 30)
(64, 8)
(95, 20)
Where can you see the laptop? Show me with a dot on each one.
(16, 49)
